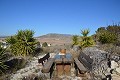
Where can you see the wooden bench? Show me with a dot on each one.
(83, 64)
(48, 67)
(44, 59)
(48, 64)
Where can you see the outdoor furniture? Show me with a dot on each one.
(48, 67)
(44, 59)
(63, 64)
(48, 64)
(83, 64)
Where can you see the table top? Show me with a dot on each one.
(67, 58)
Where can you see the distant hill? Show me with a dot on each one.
(55, 35)
(3, 36)
(55, 39)
(52, 38)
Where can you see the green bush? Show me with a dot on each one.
(44, 44)
(2, 57)
(107, 37)
(22, 43)
(109, 34)
(86, 41)
(75, 40)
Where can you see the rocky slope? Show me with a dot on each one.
(104, 63)
(101, 69)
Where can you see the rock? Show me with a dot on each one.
(31, 70)
(76, 48)
(115, 77)
(115, 57)
(118, 62)
(114, 64)
(118, 70)
(17, 63)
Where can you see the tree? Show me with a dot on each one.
(75, 39)
(86, 40)
(22, 43)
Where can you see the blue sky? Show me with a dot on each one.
(57, 16)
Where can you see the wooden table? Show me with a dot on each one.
(63, 64)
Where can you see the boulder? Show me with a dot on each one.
(118, 70)
(114, 64)
(15, 63)
(76, 48)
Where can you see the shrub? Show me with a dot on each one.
(86, 40)
(22, 43)
(107, 37)
(75, 40)
(44, 44)
(2, 65)
(109, 34)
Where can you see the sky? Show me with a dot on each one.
(57, 16)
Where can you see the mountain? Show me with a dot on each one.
(4, 36)
(51, 38)
(55, 39)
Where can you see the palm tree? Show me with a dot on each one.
(75, 39)
(22, 43)
(86, 40)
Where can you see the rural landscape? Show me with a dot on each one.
(59, 39)
(19, 54)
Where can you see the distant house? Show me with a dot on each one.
(49, 44)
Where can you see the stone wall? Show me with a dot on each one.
(103, 62)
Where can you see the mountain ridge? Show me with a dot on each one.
(52, 38)
(55, 35)
(55, 38)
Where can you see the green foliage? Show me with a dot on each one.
(101, 29)
(85, 32)
(114, 29)
(2, 66)
(109, 34)
(75, 39)
(44, 44)
(86, 40)
(107, 37)
(22, 43)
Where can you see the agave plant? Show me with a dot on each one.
(22, 43)
(2, 65)
(86, 40)
(85, 32)
(75, 39)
